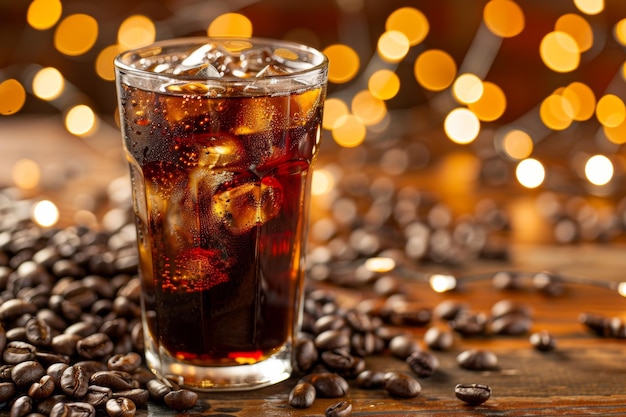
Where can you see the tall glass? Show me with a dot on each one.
(220, 135)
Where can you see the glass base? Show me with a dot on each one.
(246, 377)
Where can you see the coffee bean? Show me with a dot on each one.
(7, 391)
(157, 389)
(22, 406)
(180, 399)
(305, 354)
(96, 345)
(403, 346)
(511, 324)
(423, 363)
(74, 381)
(401, 385)
(437, 338)
(332, 339)
(26, 373)
(506, 307)
(116, 380)
(139, 396)
(16, 352)
(120, 407)
(11, 309)
(302, 395)
(42, 388)
(338, 359)
(72, 409)
(98, 396)
(127, 362)
(472, 394)
(543, 341)
(469, 323)
(449, 309)
(340, 409)
(329, 385)
(477, 360)
(65, 343)
(369, 379)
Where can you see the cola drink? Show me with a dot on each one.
(220, 138)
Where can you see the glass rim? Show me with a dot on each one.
(124, 60)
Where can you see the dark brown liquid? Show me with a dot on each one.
(220, 223)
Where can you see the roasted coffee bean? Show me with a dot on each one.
(423, 363)
(180, 399)
(364, 344)
(329, 322)
(358, 321)
(332, 339)
(47, 358)
(98, 396)
(477, 360)
(511, 324)
(472, 394)
(7, 391)
(26, 373)
(94, 346)
(91, 367)
(22, 406)
(124, 362)
(469, 323)
(74, 381)
(449, 309)
(549, 284)
(305, 354)
(542, 341)
(16, 352)
(340, 409)
(12, 309)
(157, 389)
(116, 380)
(505, 280)
(401, 385)
(120, 407)
(369, 379)
(139, 396)
(5, 373)
(73, 409)
(437, 338)
(338, 359)
(410, 316)
(403, 346)
(42, 388)
(595, 322)
(506, 307)
(55, 370)
(65, 343)
(115, 328)
(302, 395)
(82, 328)
(329, 385)
(16, 334)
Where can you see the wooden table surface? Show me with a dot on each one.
(584, 375)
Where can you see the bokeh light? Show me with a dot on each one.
(231, 24)
(135, 31)
(491, 105)
(578, 28)
(517, 144)
(435, 69)
(559, 51)
(599, 170)
(384, 84)
(43, 14)
(582, 99)
(410, 21)
(619, 32)
(80, 120)
(367, 108)
(616, 134)
(334, 109)
(530, 173)
(48, 83)
(343, 63)
(12, 96)
(467, 88)
(610, 110)
(349, 131)
(322, 182)
(590, 7)
(76, 34)
(104, 62)
(504, 18)
(393, 46)
(556, 112)
(45, 213)
(26, 174)
(461, 125)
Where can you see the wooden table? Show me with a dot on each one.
(585, 375)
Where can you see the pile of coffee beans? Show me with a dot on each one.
(71, 340)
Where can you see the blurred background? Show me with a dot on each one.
(514, 100)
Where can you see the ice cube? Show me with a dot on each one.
(198, 63)
(244, 204)
(200, 269)
(303, 106)
(254, 60)
(272, 70)
(210, 150)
